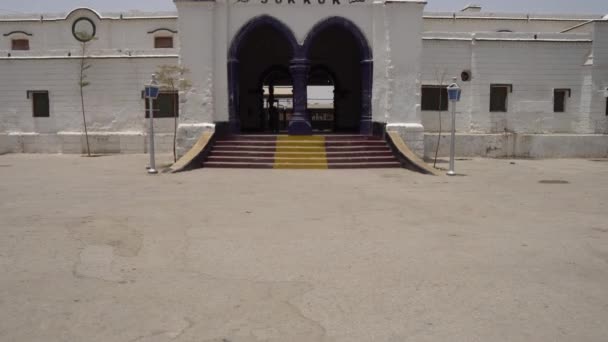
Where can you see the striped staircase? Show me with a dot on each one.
(301, 152)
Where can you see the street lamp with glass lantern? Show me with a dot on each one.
(454, 92)
(151, 93)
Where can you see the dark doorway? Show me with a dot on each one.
(267, 66)
(338, 52)
(277, 99)
(321, 92)
(260, 58)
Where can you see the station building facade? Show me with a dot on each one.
(533, 85)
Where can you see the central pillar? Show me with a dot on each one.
(299, 123)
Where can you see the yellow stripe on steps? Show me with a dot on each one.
(300, 152)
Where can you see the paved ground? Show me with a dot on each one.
(95, 250)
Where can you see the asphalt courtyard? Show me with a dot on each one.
(93, 249)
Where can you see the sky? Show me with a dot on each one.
(518, 6)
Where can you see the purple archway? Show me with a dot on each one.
(233, 60)
(299, 67)
(366, 62)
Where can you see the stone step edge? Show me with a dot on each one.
(298, 158)
(306, 142)
(320, 165)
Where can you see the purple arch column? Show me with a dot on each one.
(299, 123)
(367, 73)
(233, 96)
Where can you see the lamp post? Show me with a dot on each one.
(454, 92)
(151, 93)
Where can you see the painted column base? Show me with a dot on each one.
(411, 133)
(367, 127)
(299, 127)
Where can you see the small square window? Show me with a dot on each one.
(165, 105)
(20, 44)
(40, 103)
(498, 97)
(434, 98)
(163, 42)
(559, 100)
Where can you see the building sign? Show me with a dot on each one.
(301, 2)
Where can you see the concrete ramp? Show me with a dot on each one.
(407, 157)
(193, 158)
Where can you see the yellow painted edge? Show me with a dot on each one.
(409, 154)
(289, 143)
(279, 166)
(319, 154)
(197, 149)
(315, 149)
(285, 138)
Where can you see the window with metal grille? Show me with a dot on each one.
(559, 100)
(20, 44)
(498, 97)
(40, 103)
(163, 42)
(434, 98)
(165, 105)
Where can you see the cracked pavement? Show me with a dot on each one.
(93, 249)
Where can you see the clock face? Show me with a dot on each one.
(83, 29)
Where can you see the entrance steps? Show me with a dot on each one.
(301, 152)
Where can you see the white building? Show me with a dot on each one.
(533, 86)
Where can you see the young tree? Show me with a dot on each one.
(171, 78)
(440, 77)
(85, 39)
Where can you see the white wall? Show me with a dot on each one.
(122, 58)
(113, 99)
(534, 68)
